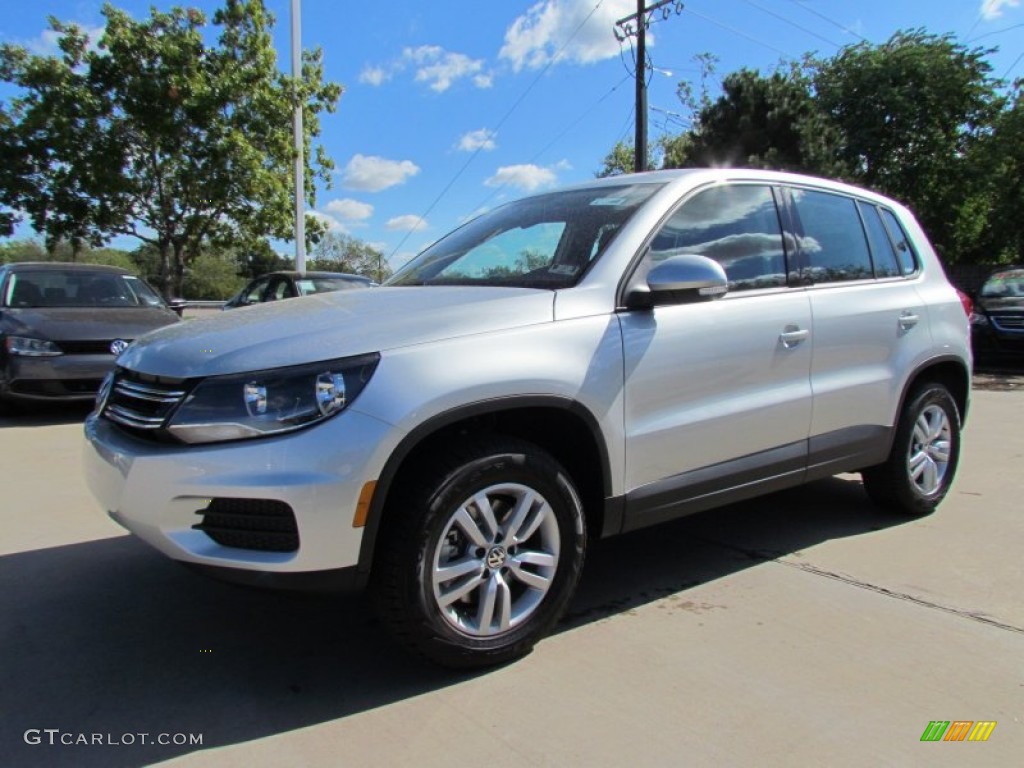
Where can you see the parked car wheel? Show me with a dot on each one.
(924, 456)
(481, 553)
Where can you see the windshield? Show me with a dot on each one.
(547, 241)
(56, 288)
(308, 285)
(1008, 284)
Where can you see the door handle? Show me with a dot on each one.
(792, 336)
(908, 320)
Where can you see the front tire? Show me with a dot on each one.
(924, 456)
(481, 551)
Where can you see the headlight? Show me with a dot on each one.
(22, 345)
(270, 402)
(978, 319)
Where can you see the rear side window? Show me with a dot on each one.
(907, 259)
(831, 241)
(737, 226)
(883, 251)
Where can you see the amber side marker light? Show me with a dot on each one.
(363, 506)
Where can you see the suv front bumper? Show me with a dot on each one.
(159, 491)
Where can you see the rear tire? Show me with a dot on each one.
(924, 455)
(480, 553)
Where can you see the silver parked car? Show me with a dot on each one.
(573, 365)
(62, 325)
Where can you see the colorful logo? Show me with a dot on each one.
(958, 730)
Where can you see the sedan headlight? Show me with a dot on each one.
(270, 402)
(978, 319)
(22, 345)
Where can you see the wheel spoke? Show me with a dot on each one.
(916, 464)
(488, 599)
(454, 570)
(469, 527)
(533, 522)
(483, 504)
(457, 592)
(940, 450)
(930, 481)
(518, 517)
(529, 578)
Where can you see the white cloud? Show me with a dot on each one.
(374, 75)
(332, 224)
(373, 174)
(993, 9)
(349, 210)
(525, 177)
(433, 65)
(474, 140)
(46, 42)
(441, 68)
(407, 223)
(545, 33)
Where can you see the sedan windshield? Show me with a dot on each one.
(55, 288)
(1008, 284)
(547, 241)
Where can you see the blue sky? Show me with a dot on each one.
(452, 106)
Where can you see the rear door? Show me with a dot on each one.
(870, 324)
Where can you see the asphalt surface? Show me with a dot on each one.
(804, 628)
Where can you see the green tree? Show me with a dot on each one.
(341, 253)
(759, 122)
(171, 140)
(910, 115)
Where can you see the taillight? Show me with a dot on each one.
(966, 301)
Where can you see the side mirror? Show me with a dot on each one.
(681, 280)
(177, 305)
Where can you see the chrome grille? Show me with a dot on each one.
(1009, 322)
(143, 404)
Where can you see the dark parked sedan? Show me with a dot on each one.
(62, 325)
(288, 285)
(997, 323)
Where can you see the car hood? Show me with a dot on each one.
(84, 323)
(333, 325)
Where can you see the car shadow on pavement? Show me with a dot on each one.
(43, 415)
(107, 637)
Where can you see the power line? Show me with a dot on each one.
(560, 134)
(836, 24)
(1010, 68)
(791, 23)
(735, 31)
(997, 32)
(500, 123)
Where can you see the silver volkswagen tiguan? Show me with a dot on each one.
(573, 365)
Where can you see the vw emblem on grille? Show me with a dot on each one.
(117, 346)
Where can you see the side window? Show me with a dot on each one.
(832, 237)
(255, 293)
(883, 252)
(280, 289)
(908, 262)
(737, 226)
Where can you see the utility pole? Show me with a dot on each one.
(300, 148)
(636, 26)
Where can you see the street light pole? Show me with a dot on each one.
(300, 159)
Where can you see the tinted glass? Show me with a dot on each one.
(1004, 285)
(547, 241)
(737, 226)
(308, 285)
(883, 252)
(55, 288)
(832, 243)
(908, 263)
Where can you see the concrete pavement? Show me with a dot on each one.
(806, 628)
